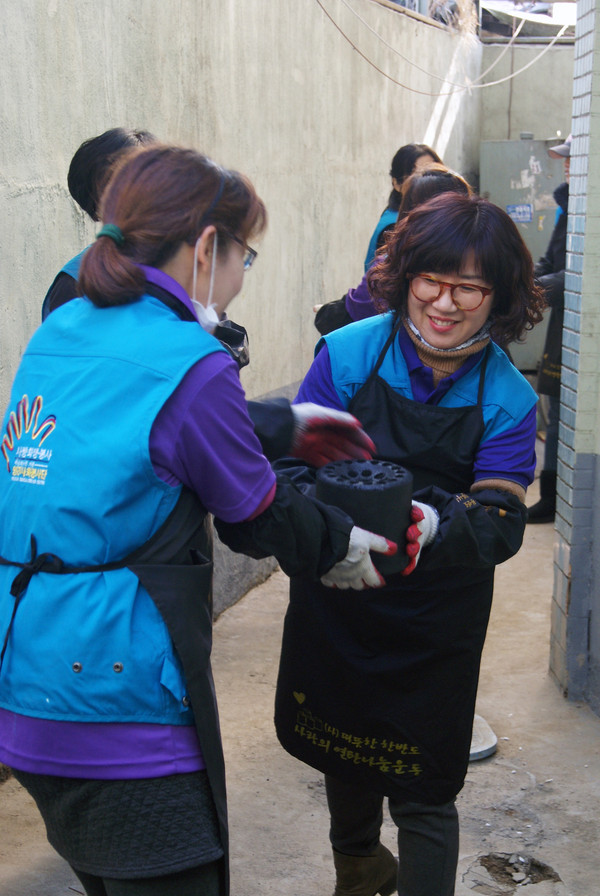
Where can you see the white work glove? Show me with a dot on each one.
(425, 522)
(356, 570)
(324, 434)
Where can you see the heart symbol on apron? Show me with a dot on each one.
(299, 697)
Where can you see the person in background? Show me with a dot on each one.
(407, 159)
(388, 684)
(410, 158)
(550, 273)
(89, 172)
(126, 427)
(357, 304)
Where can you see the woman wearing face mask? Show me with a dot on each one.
(316, 435)
(390, 683)
(127, 425)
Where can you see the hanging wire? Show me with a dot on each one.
(418, 67)
(503, 53)
(460, 87)
(529, 64)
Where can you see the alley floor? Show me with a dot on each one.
(529, 813)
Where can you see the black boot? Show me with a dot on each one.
(366, 875)
(544, 510)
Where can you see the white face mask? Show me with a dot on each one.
(207, 316)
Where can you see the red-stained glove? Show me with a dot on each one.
(356, 570)
(425, 522)
(322, 435)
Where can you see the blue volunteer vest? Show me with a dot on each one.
(75, 472)
(388, 217)
(72, 267)
(354, 350)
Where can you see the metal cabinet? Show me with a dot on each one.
(520, 177)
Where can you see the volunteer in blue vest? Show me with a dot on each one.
(316, 434)
(89, 172)
(389, 683)
(127, 426)
(408, 159)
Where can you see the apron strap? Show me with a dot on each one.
(172, 537)
(394, 332)
(482, 375)
(232, 336)
(396, 324)
(181, 310)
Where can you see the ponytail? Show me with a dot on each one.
(158, 198)
(108, 277)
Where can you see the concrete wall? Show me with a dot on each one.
(537, 101)
(273, 89)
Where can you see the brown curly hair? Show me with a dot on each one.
(436, 236)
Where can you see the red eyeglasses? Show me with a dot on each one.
(465, 296)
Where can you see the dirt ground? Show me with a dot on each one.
(529, 814)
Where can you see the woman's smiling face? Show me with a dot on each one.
(441, 323)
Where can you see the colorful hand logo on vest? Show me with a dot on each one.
(21, 421)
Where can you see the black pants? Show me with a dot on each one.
(201, 881)
(427, 836)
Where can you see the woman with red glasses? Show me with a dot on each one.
(389, 679)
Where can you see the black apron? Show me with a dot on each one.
(378, 687)
(175, 567)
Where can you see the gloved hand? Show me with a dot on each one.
(425, 522)
(324, 434)
(356, 570)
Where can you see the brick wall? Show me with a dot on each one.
(575, 637)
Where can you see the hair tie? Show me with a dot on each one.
(112, 232)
